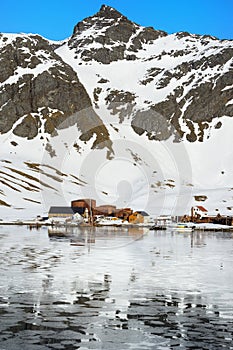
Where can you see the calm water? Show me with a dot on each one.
(115, 289)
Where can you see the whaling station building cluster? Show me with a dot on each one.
(88, 209)
(91, 213)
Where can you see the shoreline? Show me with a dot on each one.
(32, 224)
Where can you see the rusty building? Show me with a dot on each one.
(106, 210)
(138, 217)
(80, 205)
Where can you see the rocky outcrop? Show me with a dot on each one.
(37, 88)
(208, 98)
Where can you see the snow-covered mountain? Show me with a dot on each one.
(128, 115)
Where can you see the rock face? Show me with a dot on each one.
(207, 96)
(39, 90)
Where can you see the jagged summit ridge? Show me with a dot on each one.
(109, 12)
(103, 17)
(110, 36)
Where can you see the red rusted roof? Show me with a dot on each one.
(200, 207)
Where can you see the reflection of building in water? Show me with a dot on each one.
(76, 236)
(107, 280)
(47, 283)
(58, 232)
(136, 231)
(198, 239)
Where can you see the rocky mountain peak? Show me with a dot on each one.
(109, 12)
(109, 36)
(103, 18)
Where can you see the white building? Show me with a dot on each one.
(199, 211)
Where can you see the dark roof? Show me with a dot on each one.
(79, 210)
(143, 213)
(61, 210)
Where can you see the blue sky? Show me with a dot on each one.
(55, 19)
